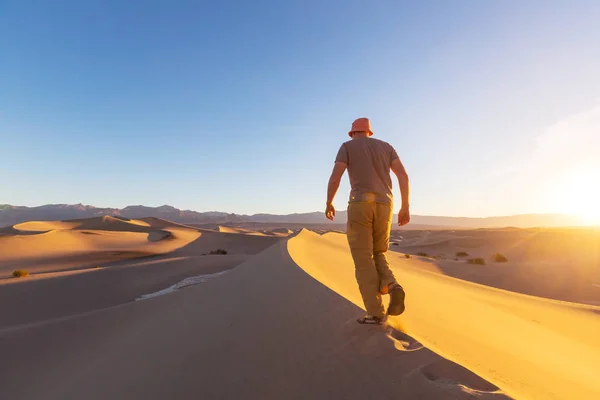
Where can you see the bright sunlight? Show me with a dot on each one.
(577, 192)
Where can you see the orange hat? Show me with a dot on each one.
(361, 125)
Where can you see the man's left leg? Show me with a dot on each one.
(382, 226)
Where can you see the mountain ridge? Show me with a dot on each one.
(11, 214)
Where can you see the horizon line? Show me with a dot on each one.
(284, 214)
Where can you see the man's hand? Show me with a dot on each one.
(330, 211)
(403, 216)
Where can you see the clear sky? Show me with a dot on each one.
(493, 106)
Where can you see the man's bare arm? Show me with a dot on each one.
(334, 180)
(400, 172)
(332, 187)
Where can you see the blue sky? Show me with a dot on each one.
(242, 106)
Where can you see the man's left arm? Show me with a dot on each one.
(334, 183)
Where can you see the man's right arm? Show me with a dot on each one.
(400, 172)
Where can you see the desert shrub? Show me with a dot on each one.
(394, 243)
(499, 258)
(461, 254)
(219, 251)
(19, 273)
(478, 261)
(407, 255)
(423, 254)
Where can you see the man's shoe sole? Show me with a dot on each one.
(397, 297)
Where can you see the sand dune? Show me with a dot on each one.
(62, 245)
(44, 226)
(227, 229)
(233, 243)
(277, 232)
(273, 332)
(178, 252)
(581, 245)
(530, 347)
(163, 224)
(560, 264)
(440, 243)
(107, 223)
(98, 223)
(57, 295)
(114, 224)
(59, 246)
(279, 321)
(284, 231)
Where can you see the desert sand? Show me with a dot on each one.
(275, 316)
(560, 264)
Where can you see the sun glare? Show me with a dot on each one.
(578, 193)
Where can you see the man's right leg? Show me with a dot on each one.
(360, 239)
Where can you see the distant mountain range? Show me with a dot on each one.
(10, 215)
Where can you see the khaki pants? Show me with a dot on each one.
(368, 231)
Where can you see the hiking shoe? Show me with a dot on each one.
(367, 319)
(397, 296)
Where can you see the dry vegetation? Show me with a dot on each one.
(499, 258)
(20, 273)
(218, 252)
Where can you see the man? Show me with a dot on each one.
(370, 211)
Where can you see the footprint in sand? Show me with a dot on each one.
(377, 340)
(403, 341)
(447, 380)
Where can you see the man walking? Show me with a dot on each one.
(370, 211)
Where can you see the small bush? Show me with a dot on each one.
(461, 254)
(407, 255)
(423, 254)
(219, 251)
(20, 273)
(394, 244)
(499, 258)
(478, 261)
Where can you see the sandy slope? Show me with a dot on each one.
(57, 295)
(279, 325)
(579, 245)
(44, 226)
(561, 264)
(264, 330)
(43, 246)
(177, 252)
(227, 229)
(532, 348)
(278, 232)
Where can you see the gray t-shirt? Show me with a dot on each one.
(368, 162)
